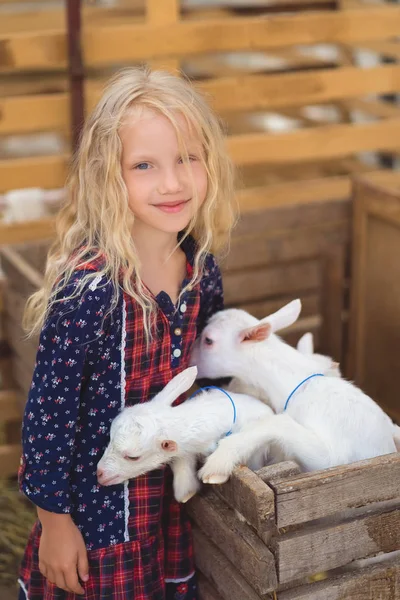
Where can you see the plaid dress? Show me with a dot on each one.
(89, 366)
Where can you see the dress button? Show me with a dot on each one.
(177, 353)
(178, 331)
(183, 308)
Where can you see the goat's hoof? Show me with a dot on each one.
(187, 497)
(216, 479)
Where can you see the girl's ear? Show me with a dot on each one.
(177, 386)
(258, 333)
(284, 317)
(169, 446)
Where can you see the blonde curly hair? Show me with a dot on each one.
(96, 219)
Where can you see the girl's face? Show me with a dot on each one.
(163, 192)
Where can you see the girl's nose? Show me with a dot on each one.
(170, 182)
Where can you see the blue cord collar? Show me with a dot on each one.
(214, 387)
(300, 384)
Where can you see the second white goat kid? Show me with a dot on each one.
(321, 421)
(147, 436)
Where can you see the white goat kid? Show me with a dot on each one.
(328, 421)
(147, 436)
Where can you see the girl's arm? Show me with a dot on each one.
(49, 427)
(211, 293)
(51, 412)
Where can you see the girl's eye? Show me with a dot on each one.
(133, 458)
(208, 341)
(191, 158)
(142, 166)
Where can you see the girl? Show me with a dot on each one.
(129, 284)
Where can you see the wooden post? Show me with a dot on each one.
(163, 13)
(75, 69)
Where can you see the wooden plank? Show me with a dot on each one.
(40, 171)
(25, 349)
(375, 316)
(258, 92)
(44, 112)
(274, 474)
(206, 590)
(320, 494)
(333, 264)
(15, 305)
(219, 571)
(9, 406)
(9, 459)
(292, 216)
(324, 548)
(13, 262)
(236, 540)
(115, 44)
(315, 143)
(281, 195)
(252, 498)
(310, 305)
(49, 111)
(283, 246)
(285, 279)
(374, 108)
(376, 582)
(160, 14)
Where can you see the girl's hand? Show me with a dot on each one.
(62, 552)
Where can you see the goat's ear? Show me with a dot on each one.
(284, 317)
(258, 333)
(177, 386)
(169, 446)
(305, 345)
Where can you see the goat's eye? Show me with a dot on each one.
(132, 457)
(208, 341)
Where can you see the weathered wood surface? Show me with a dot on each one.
(255, 284)
(284, 245)
(311, 496)
(379, 582)
(21, 276)
(9, 459)
(206, 590)
(252, 498)
(235, 539)
(281, 471)
(219, 571)
(9, 406)
(375, 315)
(319, 548)
(119, 43)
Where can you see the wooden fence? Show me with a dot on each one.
(206, 44)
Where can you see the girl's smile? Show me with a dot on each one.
(172, 207)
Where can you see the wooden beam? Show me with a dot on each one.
(29, 231)
(370, 583)
(374, 108)
(110, 44)
(49, 112)
(256, 92)
(310, 496)
(319, 143)
(39, 171)
(9, 406)
(9, 460)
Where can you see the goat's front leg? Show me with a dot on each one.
(294, 441)
(186, 484)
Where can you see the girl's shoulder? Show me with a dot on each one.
(85, 301)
